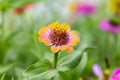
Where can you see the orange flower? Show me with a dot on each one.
(59, 37)
(73, 7)
(21, 9)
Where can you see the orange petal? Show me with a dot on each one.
(46, 42)
(70, 49)
(73, 7)
(75, 41)
(63, 47)
(41, 31)
(54, 49)
(41, 39)
(74, 33)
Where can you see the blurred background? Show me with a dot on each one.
(20, 21)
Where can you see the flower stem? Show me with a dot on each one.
(52, 78)
(55, 60)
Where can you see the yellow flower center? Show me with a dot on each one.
(106, 73)
(59, 27)
(115, 6)
(59, 35)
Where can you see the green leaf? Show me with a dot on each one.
(62, 68)
(6, 68)
(38, 68)
(3, 76)
(12, 78)
(74, 57)
(43, 76)
(12, 35)
(77, 71)
(18, 71)
(69, 59)
(64, 76)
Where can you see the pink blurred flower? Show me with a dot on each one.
(86, 9)
(97, 70)
(110, 25)
(29, 6)
(116, 75)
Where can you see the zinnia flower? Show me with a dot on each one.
(59, 37)
(73, 7)
(114, 6)
(82, 8)
(110, 25)
(86, 9)
(116, 75)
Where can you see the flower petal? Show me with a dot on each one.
(46, 42)
(41, 39)
(97, 70)
(70, 49)
(74, 33)
(74, 41)
(116, 75)
(105, 25)
(63, 47)
(54, 49)
(42, 30)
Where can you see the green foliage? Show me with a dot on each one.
(5, 68)
(12, 4)
(73, 63)
(2, 78)
(78, 69)
(23, 57)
